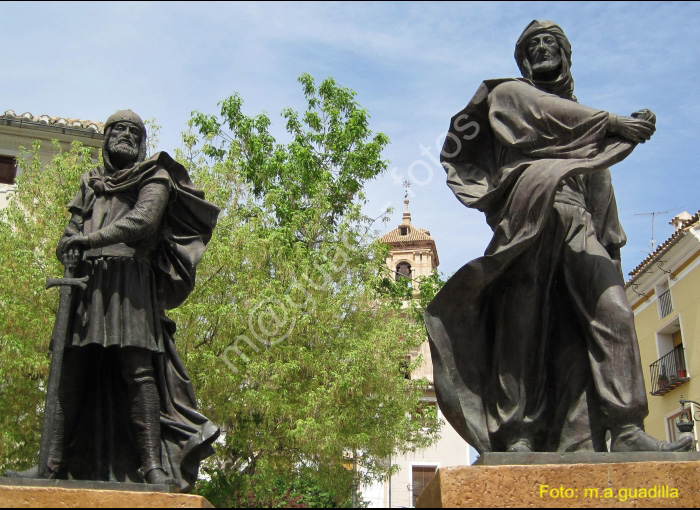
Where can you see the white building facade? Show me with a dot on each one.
(413, 254)
(23, 130)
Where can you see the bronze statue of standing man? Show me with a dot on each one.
(533, 344)
(126, 409)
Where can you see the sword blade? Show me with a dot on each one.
(60, 332)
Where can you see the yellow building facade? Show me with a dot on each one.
(664, 292)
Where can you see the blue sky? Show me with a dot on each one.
(413, 66)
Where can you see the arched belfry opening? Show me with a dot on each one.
(403, 269)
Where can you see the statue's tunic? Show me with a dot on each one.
(120, 307)
(526, 340)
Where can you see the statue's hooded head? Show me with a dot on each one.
(123, 146)
(563, 83)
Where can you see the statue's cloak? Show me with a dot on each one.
(554, 139)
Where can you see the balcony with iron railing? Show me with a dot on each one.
(668, 372)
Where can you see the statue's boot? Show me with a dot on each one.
(520, 446)
(632, 438)
(145, 420)
(158, 476)
(33, 472)
(56, 468)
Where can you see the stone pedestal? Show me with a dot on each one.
(67, 494)
(569, 480)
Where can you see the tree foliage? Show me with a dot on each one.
(290, 296)
(267, 488)
(332, 152)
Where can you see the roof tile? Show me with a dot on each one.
(687, 224)
(89, 125)
(413, 234)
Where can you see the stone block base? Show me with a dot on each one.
(60, 497)
(633, 484)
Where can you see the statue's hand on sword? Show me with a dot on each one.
(69, 250)
(72, 259)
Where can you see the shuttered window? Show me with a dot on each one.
(8, 169)
(421, 476)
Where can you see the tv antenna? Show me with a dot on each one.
(653, 215)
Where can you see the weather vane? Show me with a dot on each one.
(405, 185)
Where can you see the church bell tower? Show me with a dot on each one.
(413, 253)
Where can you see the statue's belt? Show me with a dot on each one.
(120, 250)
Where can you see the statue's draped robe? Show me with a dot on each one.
(509, 349)
(131, 285)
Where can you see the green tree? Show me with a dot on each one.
(294, 348)
(30, 227)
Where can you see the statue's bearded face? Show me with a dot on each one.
(124, 142)
(544, 54)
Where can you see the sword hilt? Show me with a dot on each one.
(59, 282)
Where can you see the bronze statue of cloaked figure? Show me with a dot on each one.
(533, 344)
(126, 409)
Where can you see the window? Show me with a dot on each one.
(403, 230)
(8, 169)
(669, 337)
(420, 476)
(404, 366)
(664, 302)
